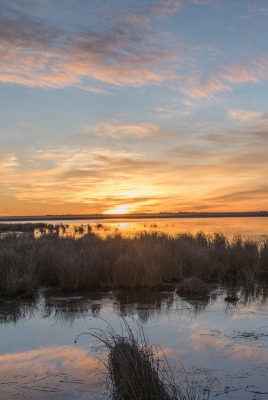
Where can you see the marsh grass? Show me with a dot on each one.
(193, 285)
(134, 370)
(22, 227)
(146, 260)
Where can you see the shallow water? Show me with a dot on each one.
(253, 227)
(222, 346)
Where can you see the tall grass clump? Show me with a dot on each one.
(145, 260)
(133, 372)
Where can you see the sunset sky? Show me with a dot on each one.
(133, 106)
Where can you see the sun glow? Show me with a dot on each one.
(122, 209)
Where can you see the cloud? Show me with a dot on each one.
(124, 50)
(8, 162)
(231, 194)
(101, 178)
(34, 53)
(244, 115)
(166, 7)
(127, 168)
(75, 176)
(222, 78)
(96, 176)
(204, 89)
(188, 157)
(241, 73)
(20, 31)
(115, 129)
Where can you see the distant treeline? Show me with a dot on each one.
(146, 260)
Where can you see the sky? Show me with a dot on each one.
(133, 106)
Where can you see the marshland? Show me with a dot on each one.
(200, 297)
(148, 260)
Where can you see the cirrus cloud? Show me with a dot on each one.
(244, 115)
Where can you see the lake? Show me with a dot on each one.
(221, 346)
(253, 227)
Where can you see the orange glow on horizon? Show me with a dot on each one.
(122, 209)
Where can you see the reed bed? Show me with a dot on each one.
(146, 260)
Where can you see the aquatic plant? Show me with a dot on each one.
(134, 369)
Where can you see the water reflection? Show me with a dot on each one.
(50, 372)
(12, 311)
(221, 344)
(70, 306)
(67, 307)
(254, 227)
(142, 303)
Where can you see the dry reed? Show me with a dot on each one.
(146, 260)
(133, 372)
(193, 285)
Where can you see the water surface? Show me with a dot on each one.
(251, 227)
(222, 346)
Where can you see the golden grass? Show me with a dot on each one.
(146, 260)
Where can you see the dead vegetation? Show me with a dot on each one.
(193, 285)
(21, 227)
(148, 260)
(133, 370)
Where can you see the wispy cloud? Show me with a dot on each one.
(38, 54)
(223, 78)
(20, 31)
(244, 73)
(8, 162)
(166, 7)
(123, 53)
(244, 115)
(198, 89)
(115, 129)
(76, 176)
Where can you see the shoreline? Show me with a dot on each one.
(55, 217)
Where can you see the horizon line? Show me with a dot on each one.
(178, 214)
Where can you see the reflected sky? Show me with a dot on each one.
(49, 372)
(219, 344)
(256, 227)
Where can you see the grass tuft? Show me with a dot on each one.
(193, 285)
(133, 370)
